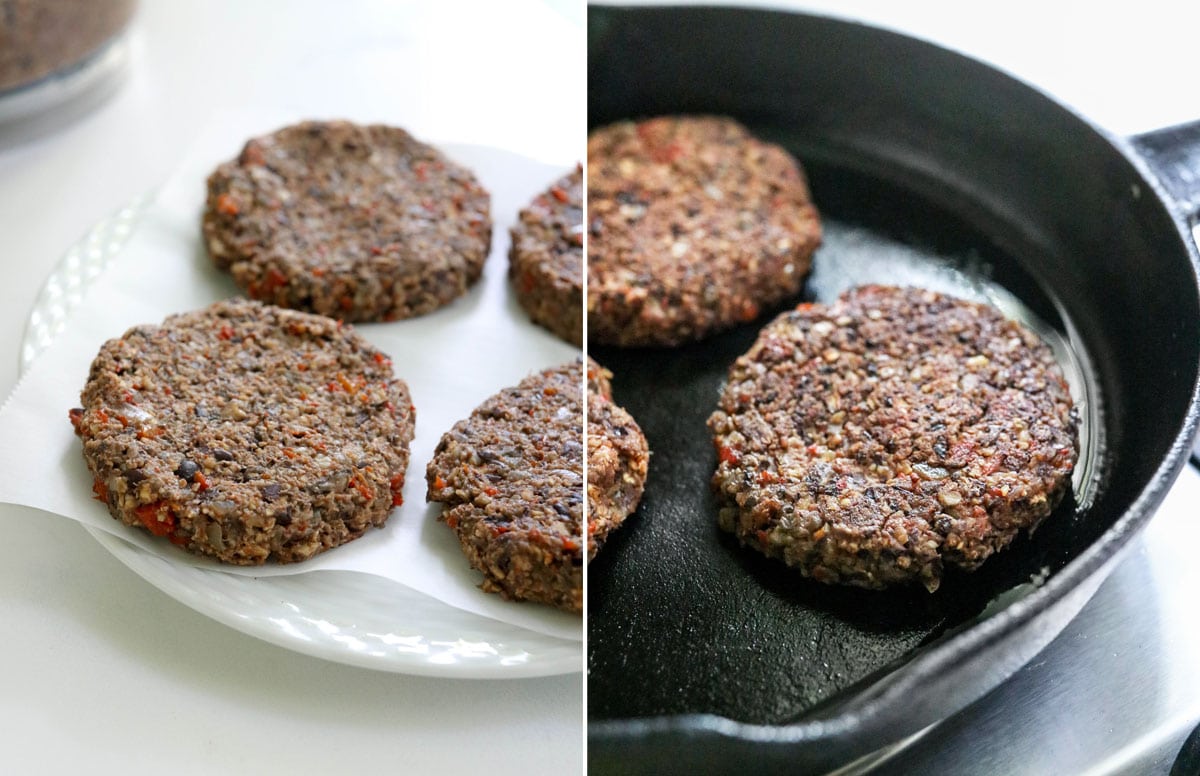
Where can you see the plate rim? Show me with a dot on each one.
(144, 565)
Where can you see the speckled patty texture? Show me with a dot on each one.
(872, 441)
(694, 226)
(511, 479)
(361, 223)
(618, 458)
(546, 258)
(246, 432)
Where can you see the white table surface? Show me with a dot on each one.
(100, 672)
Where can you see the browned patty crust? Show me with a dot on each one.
(511, 478)
(617, 457)
(694, 226)
(360, 223)
(246, 432)
(872, 440)
(546, 258)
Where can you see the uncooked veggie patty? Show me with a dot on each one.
(546, 258)
(871, 441)
(511, 479)
(361, 223)
(694, 226)
(246, 432)
(617, 456)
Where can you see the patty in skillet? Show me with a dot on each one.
(361, 223)
(246, 432)
(872, 441)
(694, 226)
(546, 258)
(617, 456)
(511, 479)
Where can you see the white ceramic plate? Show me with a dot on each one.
(343, 616)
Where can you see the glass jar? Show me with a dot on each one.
(52, 51)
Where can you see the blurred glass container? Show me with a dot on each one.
(53, 52)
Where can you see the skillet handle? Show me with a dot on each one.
(1174, 156)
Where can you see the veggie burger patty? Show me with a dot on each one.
(694, 226)
(546, 258)
(511, 479)
(871, 441)
(362, 223)
(246, 432)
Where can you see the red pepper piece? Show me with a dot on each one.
(227, 205)
(150, 513)
(397, 485)
(252, 155)
(274, 280)
(360, 484)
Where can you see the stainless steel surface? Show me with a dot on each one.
(1116, 693)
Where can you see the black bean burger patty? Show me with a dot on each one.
(870, 441)
(618, 458)
(511, 479)
(360, 223)
(246, 432)
(694, 226)
(546, 258)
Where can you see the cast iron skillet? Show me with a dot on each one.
(703, 656)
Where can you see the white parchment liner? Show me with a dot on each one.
(452, 360)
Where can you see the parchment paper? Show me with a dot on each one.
(452, 360)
